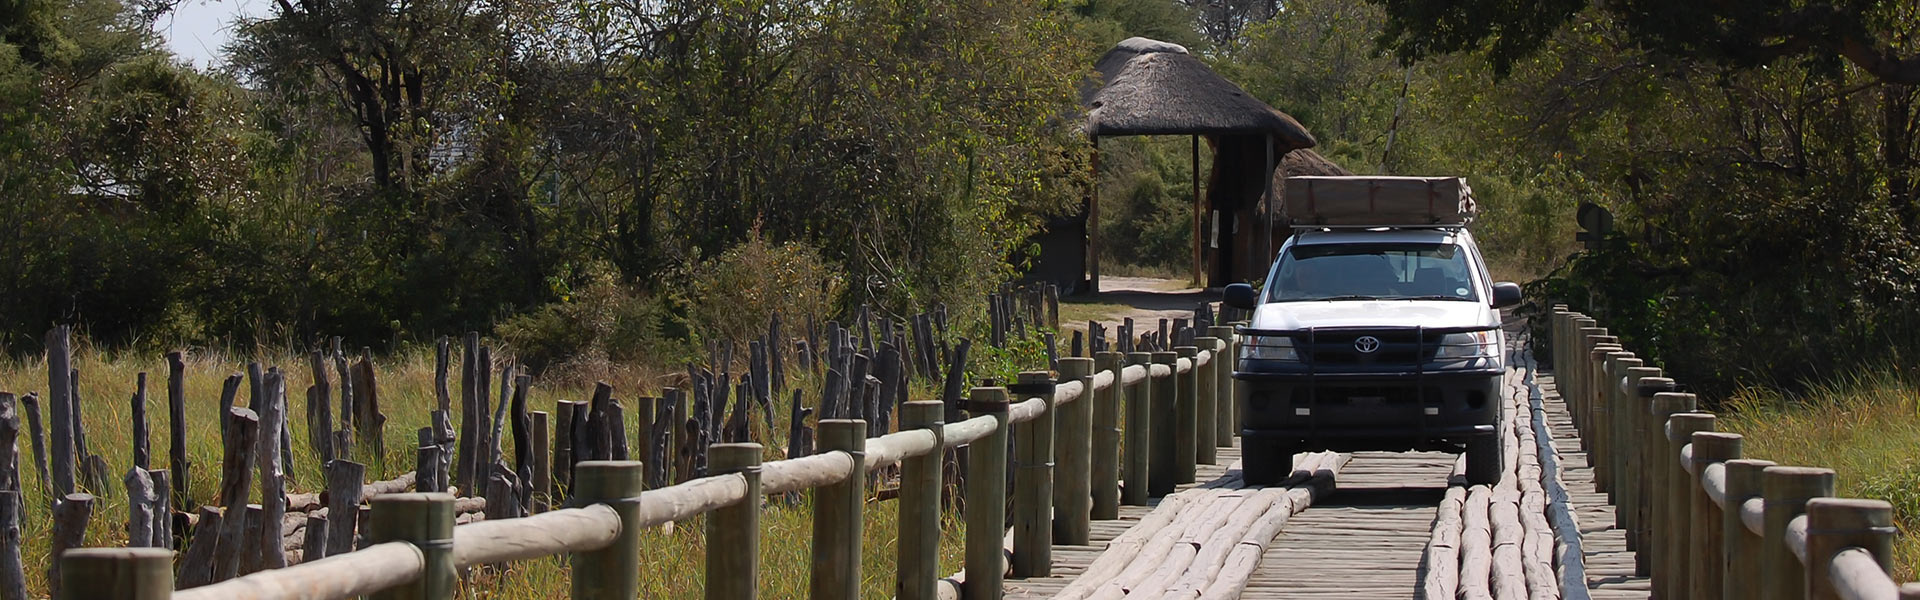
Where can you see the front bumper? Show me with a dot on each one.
(1417, 409)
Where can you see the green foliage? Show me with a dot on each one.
(605, 322)
(1005, 364)
(732, 297)
(1146, 201)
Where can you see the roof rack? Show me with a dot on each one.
(1446, 226)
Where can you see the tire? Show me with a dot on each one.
(1265, 462)
(1484, 460)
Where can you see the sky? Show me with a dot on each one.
(198, 30)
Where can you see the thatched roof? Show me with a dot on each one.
(1156, 88)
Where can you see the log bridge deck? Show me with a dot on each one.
(1383, 525)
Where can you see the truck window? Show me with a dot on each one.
(1384, 271)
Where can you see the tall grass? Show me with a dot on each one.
(672, 561)
(1866, 427)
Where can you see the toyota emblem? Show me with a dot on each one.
(1367, 344)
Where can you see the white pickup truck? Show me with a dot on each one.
(1372, 338)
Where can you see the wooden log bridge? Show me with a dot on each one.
(1671, 507)
(1060, 470)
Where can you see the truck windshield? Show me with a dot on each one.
(1385, 271)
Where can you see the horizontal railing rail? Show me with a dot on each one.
(416, 549)
(1704, 521)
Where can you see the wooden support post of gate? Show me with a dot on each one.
(733, 531)
(1204, 449)
(426, 521)
(613, 572)
(919, 547)
(1164, 436)
(1073, 445)
(1105, 470)
(1033, 482)
(836, 515)
(986, 561)
(1226, 404)
(1186, 401)
(116, 574)
(1139, 431)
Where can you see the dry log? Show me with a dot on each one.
(196, 568)
(70, 518)
(235, 482)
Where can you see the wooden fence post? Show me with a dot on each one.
(540, 486)
(116, 574)
(1186, 433)
(1165, 414)
(1640, 413)
(613, 572)
(837, 517)
(1105, 453)
(986, 499)
(733, 532)
(1740, 545)
(1679, 536)
(1139, 433)
(60, 408)
(1225, 405)
(426, 521)
(177, 426)
(1835, 524)
(1664, 456)
(1619, 436)
(1073, 485)
(1633, 410)
(1709, 448)
(1595, 384)
(344, 487)
(13, 573)
(1033, 480)
(1204, 445)
(919, 545)
(1785, 492)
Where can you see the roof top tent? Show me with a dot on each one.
(1149, 87)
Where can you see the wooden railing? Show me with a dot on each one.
(1067, 470)
(1704, 522)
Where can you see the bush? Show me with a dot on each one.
(603, 322)
(732, 297)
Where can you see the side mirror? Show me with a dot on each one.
(1242, 296)
(1505, 294)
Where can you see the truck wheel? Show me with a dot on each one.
(1265, 462)
(1484, 460)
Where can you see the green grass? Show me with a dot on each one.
(672, 562)
(1866, 428)
(1075, 314)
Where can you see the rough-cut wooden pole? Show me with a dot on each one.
(563, 459)
(70, 518)
(1033, 480)
(1164, 437)
(426, 467)
(836, 514)
(1835, 524)
(344, 490)
(236, 483)
(540, 487)
(733, 532)
(116, 574)
(1105, 457)
(273, 487)
(140, 517)
(177, 429)
(60, 407)
(612, 572)
(919, 544)
(1138, 433)
(31, 403)
(1785, 492)
(1742, 575)
(426, 521)
(1073, 439)
(987, 499)
(1709, 447)
(1663, 459)
(314, 543)
(196, 568)
(13, 573)
(468, 454)
(1186, 434)
(1678, 537)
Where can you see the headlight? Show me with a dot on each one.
(1478, 344)
(1268, 347)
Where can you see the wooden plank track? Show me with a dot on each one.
(1609, 564)
(1366, 539)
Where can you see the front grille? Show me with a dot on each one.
(1402, 347)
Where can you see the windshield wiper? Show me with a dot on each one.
(1429, 297)
(1340, 298)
